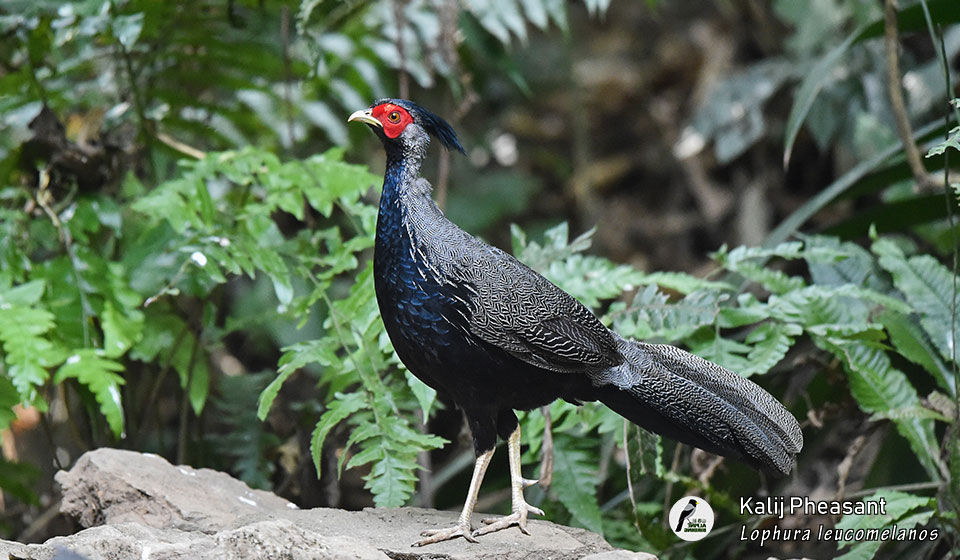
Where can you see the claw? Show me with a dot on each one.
(440, 535)
(518, 518)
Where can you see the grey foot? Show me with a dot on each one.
(518, 518)
(440, 535)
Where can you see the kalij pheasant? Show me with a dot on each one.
(495, 336)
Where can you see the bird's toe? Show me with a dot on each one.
(440, 535)
(518, 518)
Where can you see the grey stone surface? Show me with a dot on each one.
(140, 507)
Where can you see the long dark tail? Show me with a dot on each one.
(684, 397)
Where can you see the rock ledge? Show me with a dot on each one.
(137, 506)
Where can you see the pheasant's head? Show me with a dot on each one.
(405, 126)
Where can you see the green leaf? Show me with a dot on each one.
(770, 341)
(99, 374)
(913, 344)
(207, 212)
(9, 398)
(814, 81)
(681, 282)
(953, 141)
(425, 395)
(23, 333)
(900, 515)
(167, 334)
(270, 392)
(329, 179)
(928, 287)
(575, 480)
(120, 332)
(748, 262)
(749, 310)
(26, 294)
(338, 410)
(127, 29)
(392, 481)
(591, 279)
(650, 314)
(878, 387)
(556, 245)
(651, 452)
(723, 351)
(823, 71)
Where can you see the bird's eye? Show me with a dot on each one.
(394, 117)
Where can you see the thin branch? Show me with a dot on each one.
(897, 103)
(179, 146)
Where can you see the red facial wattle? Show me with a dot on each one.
(393, 117)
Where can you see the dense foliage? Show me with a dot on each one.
(216, 304)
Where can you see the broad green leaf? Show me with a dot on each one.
(425, 395)
(26, 294)
(120, 332)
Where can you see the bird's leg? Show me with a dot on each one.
(462, 528)
(517, 483)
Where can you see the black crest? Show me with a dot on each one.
(434, 125)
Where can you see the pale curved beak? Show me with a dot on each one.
(364, 116)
